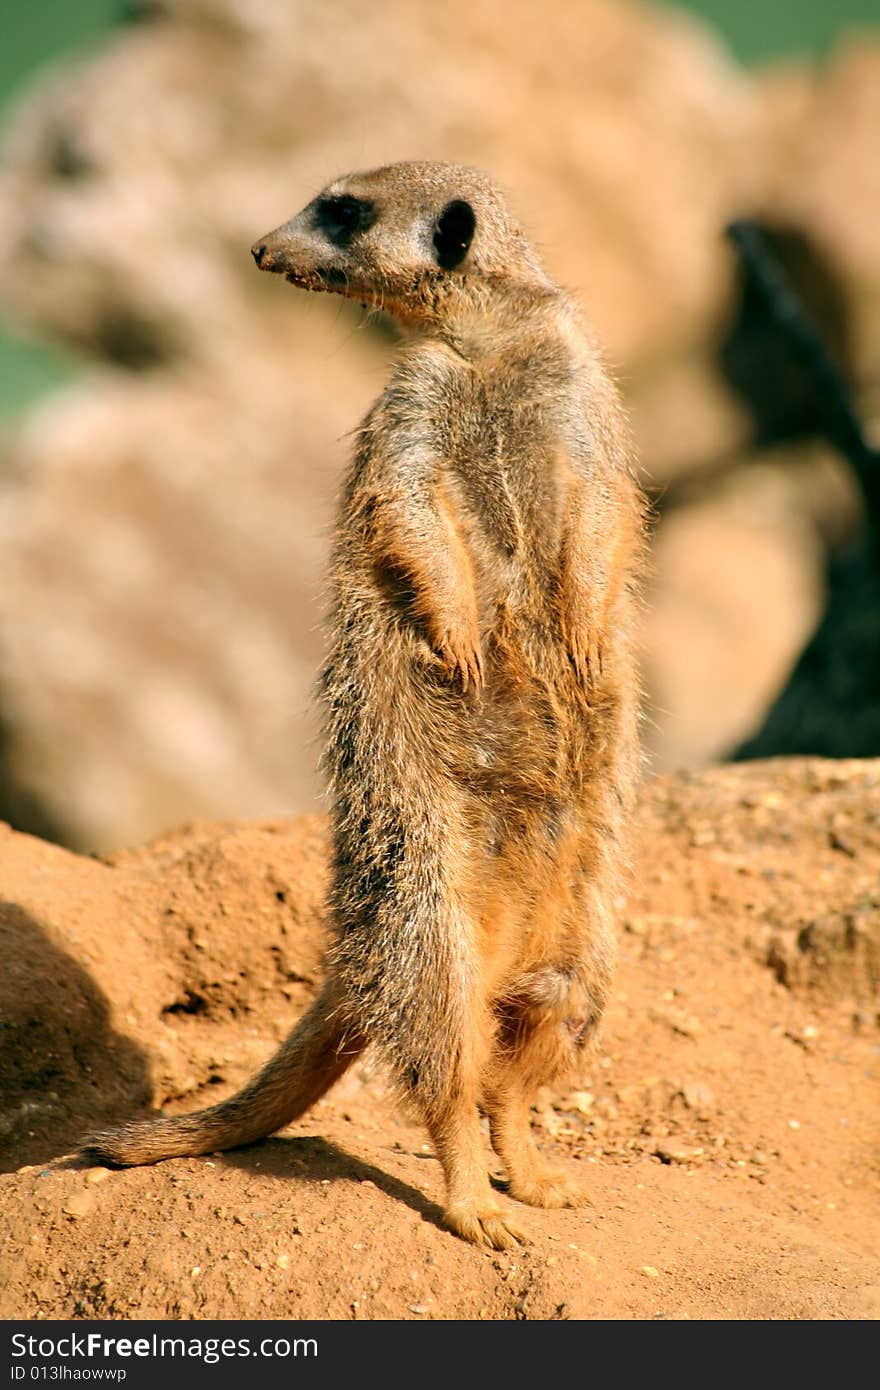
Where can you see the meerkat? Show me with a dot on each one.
(479, 697)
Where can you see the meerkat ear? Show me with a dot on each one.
(453, 233)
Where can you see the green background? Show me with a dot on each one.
(30, 35)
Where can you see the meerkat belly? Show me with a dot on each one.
(509, 752)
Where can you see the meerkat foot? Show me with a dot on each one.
(484, 1224)
(547, 1187)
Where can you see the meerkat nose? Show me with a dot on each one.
(258, 251)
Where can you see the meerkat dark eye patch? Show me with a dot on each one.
(342, 219)
(454, 233)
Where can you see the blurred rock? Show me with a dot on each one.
(828, 183)
(735, 592)
(830, 703)
(168, 526)
(134, 184)
(174, 566)
(164, 521)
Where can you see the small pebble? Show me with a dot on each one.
(581, 1101)
(79, 1204)
(697, 1095)
(650, 1271)
(637, 926)
(676, 1153)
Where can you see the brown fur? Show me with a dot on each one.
(480, 697)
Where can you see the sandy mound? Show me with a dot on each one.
(728, 1122)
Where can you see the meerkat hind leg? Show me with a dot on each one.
(472, 1210)
(531, 1179)
(537, 1043)
(448, 1096)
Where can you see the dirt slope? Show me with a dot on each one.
(728, 1124)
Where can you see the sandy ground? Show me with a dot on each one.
(727, 1125)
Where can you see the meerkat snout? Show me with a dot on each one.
(269, 253)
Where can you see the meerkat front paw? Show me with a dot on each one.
(585, 648)
(461, 655)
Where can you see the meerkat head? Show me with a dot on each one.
(412, 238)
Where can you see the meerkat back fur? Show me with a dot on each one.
(480, 693)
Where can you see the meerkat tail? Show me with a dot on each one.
(316, 1053)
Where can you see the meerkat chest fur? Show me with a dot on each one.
(488, 426)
